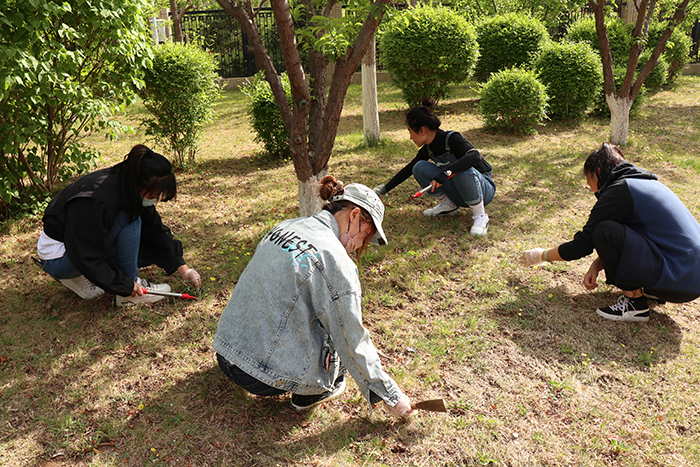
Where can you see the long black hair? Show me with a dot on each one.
(423, 116)
(602, 162)
(144, 170)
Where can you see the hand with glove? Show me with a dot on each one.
(534, 257)
(401, 409)
(380, 190)
(189, 274)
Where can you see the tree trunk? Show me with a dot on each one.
(309, 201)
(370, 106)
(619, 118)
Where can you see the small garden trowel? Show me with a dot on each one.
(435, 405)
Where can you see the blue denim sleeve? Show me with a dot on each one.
(343, 320)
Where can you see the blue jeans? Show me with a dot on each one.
(464, 188)
(246, 381)
(122, 252)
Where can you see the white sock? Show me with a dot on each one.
(478, 209)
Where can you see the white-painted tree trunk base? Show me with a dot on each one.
(309, 201)
(619, 118)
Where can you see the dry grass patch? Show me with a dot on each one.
(530, 374)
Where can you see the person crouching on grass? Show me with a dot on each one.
(294, 320)
(101, 229)
(647, 241)
(457, 173)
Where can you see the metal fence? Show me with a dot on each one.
(220, 33)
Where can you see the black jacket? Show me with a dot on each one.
(83, 214)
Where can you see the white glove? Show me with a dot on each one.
(380, 190)
(401, 409)
(532, 257)
(192, 276)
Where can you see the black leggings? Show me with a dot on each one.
(632, 261)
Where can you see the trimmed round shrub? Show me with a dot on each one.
(426, 49)
(179, 92)
(514, 100)
(572, 73)
(657, 77)
(619, 35)
(600, 105)
(265, 116)
(677, 53)
(508, 41)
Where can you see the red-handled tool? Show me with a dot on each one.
(418, 193)
(169, 294)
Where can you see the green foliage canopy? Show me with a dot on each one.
(65, 68)
(509, 40)
(426, 49)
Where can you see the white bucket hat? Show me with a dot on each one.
(367, 199)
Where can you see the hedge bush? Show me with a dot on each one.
(677, 53)
(514, 100)
(426, 49)
(619, 35)
(600, 105)
(572, 73)
(179, 92)
(507, 41)
(265, 116)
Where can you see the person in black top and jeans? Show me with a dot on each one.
(457, 173)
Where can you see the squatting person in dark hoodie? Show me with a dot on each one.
(647, 241)
(294, 320)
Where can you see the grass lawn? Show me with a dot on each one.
(530, 374)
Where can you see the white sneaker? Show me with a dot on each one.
(145, 298)
(481, 225)
(146, 284)
(444, 207)
(83, 287)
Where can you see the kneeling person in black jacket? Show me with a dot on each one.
(100, 229)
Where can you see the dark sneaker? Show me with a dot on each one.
(626, 309)
(299, 402)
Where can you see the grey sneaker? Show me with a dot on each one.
(481, 225)
(626, 309)
(444, 207)
(83, 287)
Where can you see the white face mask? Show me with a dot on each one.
(146, 202)
(350, 243)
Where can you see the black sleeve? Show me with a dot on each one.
(614, 204)
(157, 242)
(88, 222)
(407, 171)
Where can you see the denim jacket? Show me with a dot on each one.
(295, 314)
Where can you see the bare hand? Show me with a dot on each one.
(434, 185)
(590, 279)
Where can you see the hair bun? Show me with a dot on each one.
(329, 187)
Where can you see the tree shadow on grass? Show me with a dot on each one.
(210, 420)
(553, 324)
